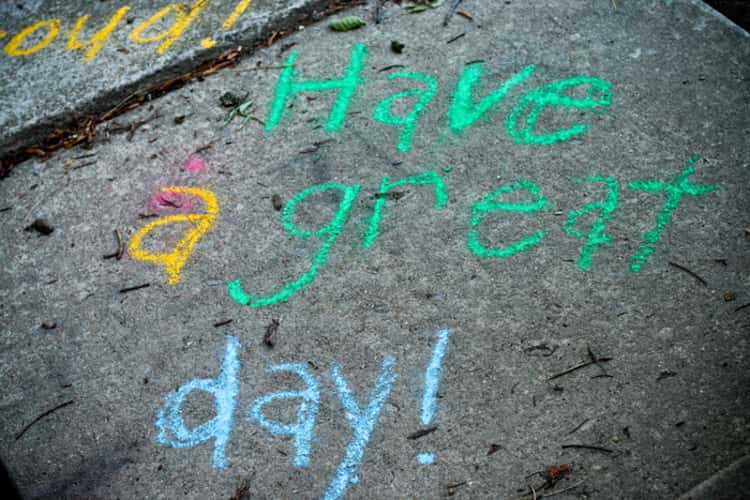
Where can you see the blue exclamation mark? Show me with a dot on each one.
(431, 384)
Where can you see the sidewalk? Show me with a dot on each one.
(66, 61)
(498, 257)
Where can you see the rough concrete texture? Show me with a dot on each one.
(731, 483)
(668, 410)
(44, 82)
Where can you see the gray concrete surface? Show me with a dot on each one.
(43, 83)
(731, 483)
(667, 411)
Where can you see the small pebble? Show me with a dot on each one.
(729, 296)
(41, 226)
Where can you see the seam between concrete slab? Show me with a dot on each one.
(247, 39)
(713, 12)
(724, 484)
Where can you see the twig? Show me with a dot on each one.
(587, 447)
(742, 307)
(112, 112)
(286, 46)
(456, 37)
(203, 148)
(593, 358)
(271, 330)
(392, 66)
(264, 68)
(45, 414)
(691, 273)
(83, 157)
(378, 11)
(451, 11)
(452, 487)
(87, 164)
(578, 367)
(579, 426)
(494, 448)
(133, 288)
(422, 432)
(222, 323)
(120, 248)
(666, 374)
(614, 5)
(554, 493)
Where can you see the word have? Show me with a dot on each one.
(465, 108)
(39, 35)
(225, 389)
(674, 191)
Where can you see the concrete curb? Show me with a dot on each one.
(710, 10)
(730, 483)
(31, 115)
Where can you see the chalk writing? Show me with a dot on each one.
(182, 16)
(597, 236)
(224, 388)
(347, 85)
(675, 190)
(441, 198)
(174, 261)
(463, 112)
(362, 422)
(382, 112)
(598, 95)
(302, 430)
(97, 41)
(193, 164)
(181, 22)
(14, 46)
(331, 232)
(171, 201)
(491, 204)
(431, 384)
(236, 13)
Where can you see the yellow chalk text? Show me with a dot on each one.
(174, 261)
(182, 21)
(97, 41)
(14, 46)
(236, 13)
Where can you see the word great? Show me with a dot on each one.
(465, 109)
(39, 35)
(596, 236)
(225, 389)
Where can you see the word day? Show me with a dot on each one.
(362, 418)
(36, 37)
(592, 238)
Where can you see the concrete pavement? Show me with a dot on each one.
(511, 259)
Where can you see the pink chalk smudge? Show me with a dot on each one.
(169, 200)
(193, 164)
